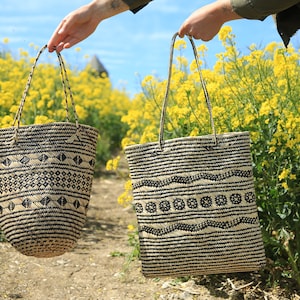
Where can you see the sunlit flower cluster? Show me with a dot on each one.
(112, 164)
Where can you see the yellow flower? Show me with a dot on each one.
(81, 112)
(271, 47)
(202, 48)
(254, 136)
(285, 185)
(194, 132)
(131, 227)
(112, 164)
(249, 118)
(147, 80)
(128, 185)
(290, 143)
(180, 44)
(40, 104)
(218, 111)
(224, 33)
(126, 141)
(265, 109)
(126, 198)
(109, 165)
(235, 122)
(182, 61)
(279, 63)
(6, 121)
(23, 53)
(49, 102)
(42, 120)
(14, 108)
(272, 149)
(284, 174)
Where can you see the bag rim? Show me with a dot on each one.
(208, 137)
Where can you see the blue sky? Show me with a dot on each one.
(130, 46)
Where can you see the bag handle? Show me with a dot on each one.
(165, 101)
(66, 86)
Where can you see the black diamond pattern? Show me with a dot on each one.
(78, 160)
(92, 162)
(26, 203)
(76, 204)
(62, 201)
(25, 160)
(45, 201)
(11, 206)
(61, 157)
(6, 162)
(43, 157)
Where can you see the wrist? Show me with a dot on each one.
(226, 11)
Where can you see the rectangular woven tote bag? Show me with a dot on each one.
(46, 174)
(195, 202)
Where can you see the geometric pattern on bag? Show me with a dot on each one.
(46, 174)
(195, 201)
(195, 206)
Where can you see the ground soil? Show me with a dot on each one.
(97, 268)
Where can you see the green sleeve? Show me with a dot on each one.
(260, 9)
(136, 5)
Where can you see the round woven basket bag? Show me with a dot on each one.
(46, 174)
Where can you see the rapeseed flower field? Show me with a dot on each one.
(257, 92)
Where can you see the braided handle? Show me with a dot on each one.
(165, 101)
(66, 86)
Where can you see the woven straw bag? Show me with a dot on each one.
(46, 174)
(195, 201)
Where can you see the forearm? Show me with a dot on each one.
(225, 12)
(104, 9)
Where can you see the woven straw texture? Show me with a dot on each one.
(195, 205)
(46, 174)
(45, 185)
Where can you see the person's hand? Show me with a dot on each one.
(74, 28)
(82, 22)
(206, 22)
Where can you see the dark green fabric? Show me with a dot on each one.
(260, 9)
(288, 22)
(136, 5)
(287, 14)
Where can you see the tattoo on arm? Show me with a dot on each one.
(115, 4)
(226, 9)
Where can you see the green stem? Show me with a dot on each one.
(291, 256)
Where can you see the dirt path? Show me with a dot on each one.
(94, 270)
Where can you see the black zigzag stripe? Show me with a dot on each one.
(192, 178)
(198, 227)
